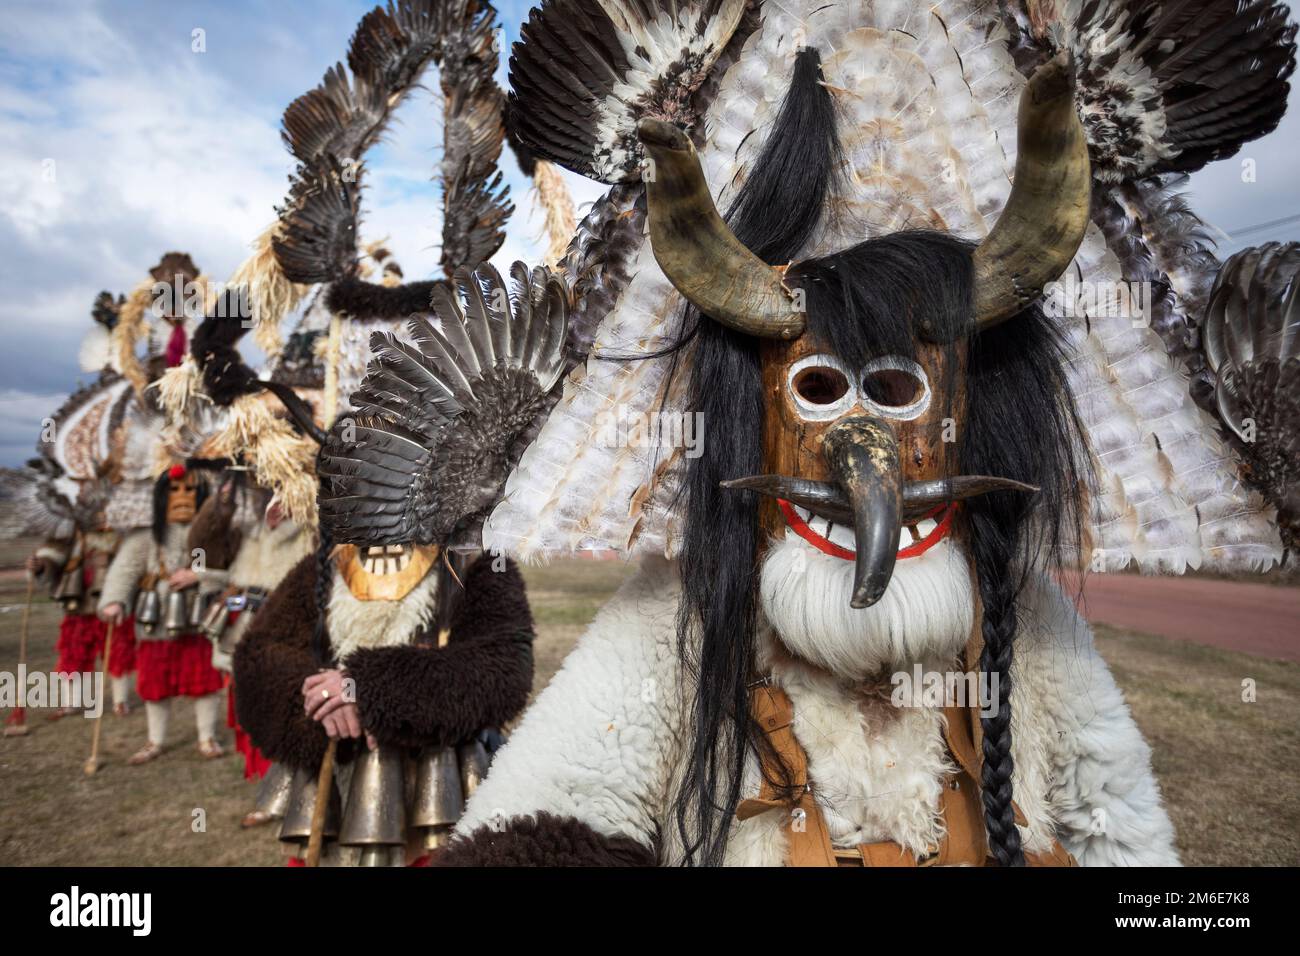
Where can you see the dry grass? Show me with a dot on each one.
(1228, 769)
(53, 815)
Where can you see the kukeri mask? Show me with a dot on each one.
(865, 448)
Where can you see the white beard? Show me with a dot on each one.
(354, 624)
(926, 613)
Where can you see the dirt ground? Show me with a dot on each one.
(1229, 769)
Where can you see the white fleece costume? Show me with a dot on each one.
(604, 742)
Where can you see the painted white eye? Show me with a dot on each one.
(821, 388)
(895, 387)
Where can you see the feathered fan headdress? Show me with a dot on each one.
(927, 98)
(315, 240)
(442, 419)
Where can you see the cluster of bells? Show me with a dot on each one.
(183, 612)
(390, 794)
(180, 613)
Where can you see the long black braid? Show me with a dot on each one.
(1021, 423)
(998, 593)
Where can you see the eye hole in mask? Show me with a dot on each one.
(895, 387)
(820, 387)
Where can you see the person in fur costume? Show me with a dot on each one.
(250, 546)
(846, 644)
(172, 658)
(384, 640)
(766, 694)
(395, 683)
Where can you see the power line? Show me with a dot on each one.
(1285, 220)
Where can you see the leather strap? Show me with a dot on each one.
(965, 840)
(809, 839)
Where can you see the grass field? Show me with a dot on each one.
(1229, 769)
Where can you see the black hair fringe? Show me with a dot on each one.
(869, 300)
(775, 215)
(1020, 422)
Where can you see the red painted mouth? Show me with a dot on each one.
(942, 517)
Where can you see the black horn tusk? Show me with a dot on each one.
(827, 500)
(863, 457)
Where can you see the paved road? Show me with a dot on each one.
(1254, 618)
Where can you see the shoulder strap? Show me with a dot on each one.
(809, 840)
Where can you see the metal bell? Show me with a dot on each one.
(439, 796)
(296, 827)
(146, 608)
(379, 854)
(215, 621)
(176, 615)
(375, 812)
(71, 589)
(474, 763)
(195, 618)
(273, 791)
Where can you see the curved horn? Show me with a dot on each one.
(1046, 215)
(699, 254)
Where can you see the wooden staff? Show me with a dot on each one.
(92, 762)
(16, 724)
(323, 783)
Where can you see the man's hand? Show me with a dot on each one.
(182, 579)
(324, 702)
(112, 613)
(37, 566)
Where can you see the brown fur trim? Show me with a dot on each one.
(409, 695)
(271, 662)
(544, 840)
(211, 530)
(413, 695)
(493, 603)
(359, 299)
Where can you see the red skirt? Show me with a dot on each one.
(177, 668)
(81, 644)
(255, 765)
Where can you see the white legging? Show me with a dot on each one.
(206, 710)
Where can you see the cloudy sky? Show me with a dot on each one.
(119, 141)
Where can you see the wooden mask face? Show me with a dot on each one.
(384, 572)
(878, 430)
(807, 389)
(182, 498)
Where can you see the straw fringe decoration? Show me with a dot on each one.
(179, 389)
(271, 296)
(131, 327)
(551, 193)
(280, 458)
